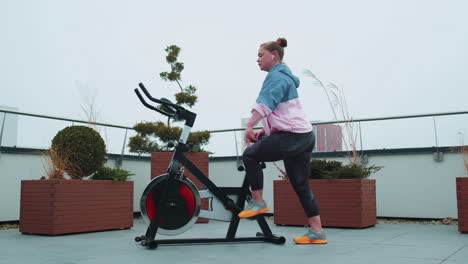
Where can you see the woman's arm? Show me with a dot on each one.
(250, 136)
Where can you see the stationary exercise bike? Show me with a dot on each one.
(171, 202)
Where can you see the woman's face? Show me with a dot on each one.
(266, 60)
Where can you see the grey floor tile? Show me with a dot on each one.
(384, 243)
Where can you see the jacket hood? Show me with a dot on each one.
(285, 70)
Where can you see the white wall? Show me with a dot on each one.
(413, 185)
(13, 169)
(409, 185)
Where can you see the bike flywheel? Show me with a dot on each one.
(178, 212)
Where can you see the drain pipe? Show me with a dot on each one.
(363, 156)
(438, 156)
(1, 131)
(120, 159)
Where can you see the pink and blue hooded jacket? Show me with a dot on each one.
(278, 103)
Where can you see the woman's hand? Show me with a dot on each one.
(259, 134)
(250, 136)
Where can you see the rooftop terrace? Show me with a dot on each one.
(383, 243)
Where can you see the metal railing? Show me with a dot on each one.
(234, 130)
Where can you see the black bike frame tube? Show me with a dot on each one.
(178, 155)
(243, 192)
(212, 240)
(264, 225)
(232, 229)
(154, 225)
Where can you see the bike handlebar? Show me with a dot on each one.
(174, 109)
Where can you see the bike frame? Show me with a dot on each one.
(220, 193)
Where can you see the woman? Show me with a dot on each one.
(286, 135)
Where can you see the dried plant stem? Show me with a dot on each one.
(90, 110)
(339, 107)
(283, 175)
(51, 171)
(58, 165)
(55, 164)
(89, 106)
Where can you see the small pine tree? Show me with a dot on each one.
(152, 133)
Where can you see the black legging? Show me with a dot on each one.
(294, 149)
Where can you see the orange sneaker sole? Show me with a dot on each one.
(306, 240)
(252, 213)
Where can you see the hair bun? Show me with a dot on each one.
(282, 42)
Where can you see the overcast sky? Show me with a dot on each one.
(395, 57)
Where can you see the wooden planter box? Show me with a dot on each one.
(462, 204)
(160, 163)
(56, 207)
(342, 202)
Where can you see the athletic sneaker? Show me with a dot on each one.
(253, 208)
(312, 237)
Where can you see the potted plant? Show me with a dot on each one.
(462, 194)
(157, 138)
(65, 202)
(346, 197)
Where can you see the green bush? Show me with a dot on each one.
(106, 173)
(320, 169)
(148, 133)
(139, 144)
(331, 169)
(81, 151)
(353, 171)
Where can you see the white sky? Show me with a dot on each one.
(395, 57)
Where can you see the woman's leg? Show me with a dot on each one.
(298, 169)
(264, 150)
(267, 149)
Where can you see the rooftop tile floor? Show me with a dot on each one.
(383, 243)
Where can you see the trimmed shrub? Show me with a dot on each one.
(83, 149)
